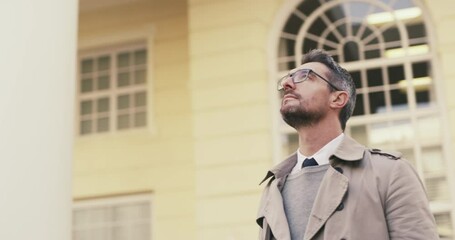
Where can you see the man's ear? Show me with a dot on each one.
(339, 99)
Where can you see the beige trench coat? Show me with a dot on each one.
(365, 194)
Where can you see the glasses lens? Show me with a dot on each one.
(300, 75)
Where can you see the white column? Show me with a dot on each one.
(37, 80)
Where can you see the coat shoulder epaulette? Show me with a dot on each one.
(389, 154)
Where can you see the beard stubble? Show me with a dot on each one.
(300, 116)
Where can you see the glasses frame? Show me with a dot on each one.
(280, 85)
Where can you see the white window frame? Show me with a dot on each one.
(113, 91)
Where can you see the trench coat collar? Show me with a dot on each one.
(331, 192)
(348, 150)
(282, 169)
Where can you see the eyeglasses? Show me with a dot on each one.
(300, 76)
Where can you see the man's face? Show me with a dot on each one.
(306, 103)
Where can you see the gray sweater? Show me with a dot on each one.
(298, 193)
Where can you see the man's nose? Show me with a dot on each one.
(288, 83)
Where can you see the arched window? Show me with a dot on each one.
(386, 46)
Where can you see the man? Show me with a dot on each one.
(333, 187)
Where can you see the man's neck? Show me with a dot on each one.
(313, 138)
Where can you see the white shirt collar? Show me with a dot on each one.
(321, 156)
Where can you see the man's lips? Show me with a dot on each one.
(289, 96)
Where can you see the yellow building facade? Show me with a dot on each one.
(208, 130)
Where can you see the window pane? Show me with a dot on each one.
(123, 60)
(140, 57)
(104, 63)
(396, 74)
(309, 44)
(433, 161)
(123, 121)
(99, 215)
(139, 77)
(81, 218)
(111, 219)
(377, 102)
(318, 27)
(103, 105)
(399, 99)
(86, 85)
(416, 30)
(359, 133)
(86, 107)
(86, 127)
(87, 66)
(372, 54)
(422, 83)
(131, 212)
(374, 77)
(103, 82)
(357, 79)
(103, 124)
(359, 108)
(391, 135)
(437, 188)
(367, 33)
(81, 235)
(332, 37)
(123, 79)
(392, 34)
(101, 233)
(123, 102)
(293, 24)
(140, 231)
(140, 99)
(307, 7)
(120, 233)
(286, 48)
(444, 222)
(429, 129)
(408, 154)
(422, 98)
(420, 69)
(140, 119)
(351, 51)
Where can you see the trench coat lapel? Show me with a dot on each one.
(333, 187)
(275, 215)
(272, 206)
(331, 192)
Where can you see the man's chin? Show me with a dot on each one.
(288, 108)
(296, 117)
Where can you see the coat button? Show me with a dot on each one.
(340, 170)
(340, 207)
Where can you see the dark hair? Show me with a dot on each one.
(339, 76)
